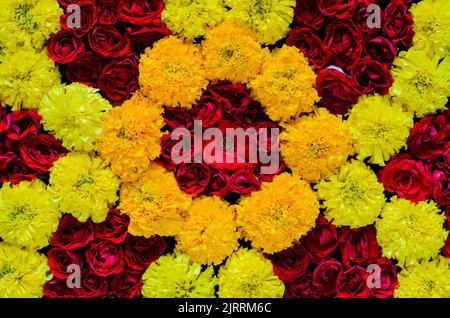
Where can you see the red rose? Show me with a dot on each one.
(446, 248)
(207, 110)
(13, 169)
(398, 23)
(325, 277)
(40, 151)
(64, 47)
(337, 8)
(322, 240)
(381, 49)
(105, 258)
(218, 183)
(114, 228)
(23, 123)
(231, 97)
(72, 234)
(441, 187)
(192, 178)
(447, 217)
(301, 288)
(144, 37)
(177, 117)
(92, 285)
(371, 76)
(428, 138)
(388, 279)
(244, 181)
(269, 177)
(140, 12)
(57, 288)
(310, 45)
(353, 283)
(361, 17)
(4, 119)
(252, 115)
(88, 18)
(126, 284)
(119, 79)
(59, 259)
(66, 3)
(109, 42)
(307, 12)
(359, 246)
(86, 69)
(336, 91)
(165, 158)
(140, 252)
(408, 178)
(344, 41)
(107, 11)
(290, 263)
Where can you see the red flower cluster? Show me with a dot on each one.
(26, 151)
(340, 262)
(223, 105)
(111, 261)
(103, 51)
(354, 56)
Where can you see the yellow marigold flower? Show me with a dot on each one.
(209, 233)
(155, 203)
(285, 86)
(74, 114)
(176, 276)
(131, 137)
(28, 214)
(22, 272)
(28, 23)
(192, 18)
(279, 214)
(269, 19)
(432, 25)
(410, 232)
(352, 197)
(84, 186)
(315, 146)
(172, 73)
(232, 53)
(425, 280)
(247, 274)
(379, 128)
(421, 84)
(25, 76)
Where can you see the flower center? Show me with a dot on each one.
(6, 269)
(319, 148)
(84, 181)
(20, 212)
(422, 83)
(260, 8)
(22, 16)
(352, 192)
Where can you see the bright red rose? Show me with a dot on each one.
(441, 187)
(114, 228)
(398, 23)
(307, 12)
(337, 8)
(86, 69)
(446, 248)
(140, 12)
(13, 169)
(140, 252)
(408, 178)
(88, 18)
(381, 49)
(92, 285)
(109, 42)
(107, 11)
(207, 110)
(325, 277)
(371, 76)
(72, 234)
(64, 47)
(218, 183)
(353, 283)
(244, 181)
(301, 288)
(359, 246)
(387, 279)
(105, 258)
(23, 123)
(231, 97)
(192, 178)
(126, 284)
(144, 37)
(290, 263)
(59, 259)
(322, 240)
(336, 91)
(310, 45)
(57, 288)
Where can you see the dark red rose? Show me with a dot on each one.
(383, 286)
(381, 49)
(207, 110)
(310, 45)
(57, 288)
(446, 248)
(252, 115)
(218, 183)
(307, 12)
(167, 145)
(447, 217)
(336, 91)
(72, 234)
(119, 79)
(66, 3)
(398, 23)
(441, 187)
(177, 117)
(126, 284)
(371, 76)
(290, 263)
(4, 119)
(13, 169)
(109, 42)
(105, 258)
(86, 69)
(408, 178)
(362, 16)
(140, 252)
(428, 138)
(59, 259)
(359, 246)
(337, 8)
(92, 285)
(114, 228)
(140, 12)
(353, 283)
(322, 240)
(64, 47)
(107, 11)
(325, 277)
(269, 177)
(244, 181)
(144, 37)
(231, 97)
(88, 18)
(40, 151)
(344, 41)
(23, 123)
(301, 288)
(192, 178)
